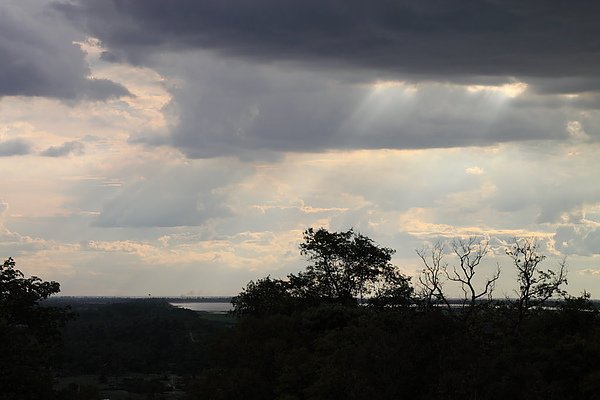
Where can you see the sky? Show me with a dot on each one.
(182, 147)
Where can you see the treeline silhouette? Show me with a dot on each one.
(350, 326)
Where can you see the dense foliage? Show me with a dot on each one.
(146, 336)
(345, 268)
(28, 334)
(311, 336)
(350, 326)
(349, 352)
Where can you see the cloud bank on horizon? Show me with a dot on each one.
(176, 147)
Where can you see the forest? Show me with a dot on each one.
(349, 326)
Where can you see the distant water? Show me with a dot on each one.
(220, 308)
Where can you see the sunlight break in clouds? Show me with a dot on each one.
(510, 90)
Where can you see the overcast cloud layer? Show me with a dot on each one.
(297, 76)
(436, 40)
(182, 147)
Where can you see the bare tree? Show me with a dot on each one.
(470, 252)
(436, 273)
(430, 278)
(536, 286)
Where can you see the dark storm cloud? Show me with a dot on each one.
(14, 147)
(242, 109)
(263, 77)
(431, 39)
(74, 147)
(39, 57)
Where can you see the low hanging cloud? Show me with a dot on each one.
(68, 148)
(39, 57)
(14, 147)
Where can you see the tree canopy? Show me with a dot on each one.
(27, 333)
(305, 337)
(346, 265)
(345, 268)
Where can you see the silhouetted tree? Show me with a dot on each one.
(536, 286)
(28, 332)
(431, 278)
(469, 253)
(345, 265)
(395, 291)
(335, 350)
(265, 296)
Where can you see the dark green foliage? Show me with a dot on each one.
(394, 292)
(265, 296)
(136, 336)
(28, 333)
(335, 351)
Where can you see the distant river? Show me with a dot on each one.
(208, 307)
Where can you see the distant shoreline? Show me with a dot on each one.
(216, 299)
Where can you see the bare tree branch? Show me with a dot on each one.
(470, 253)
(430, 278)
